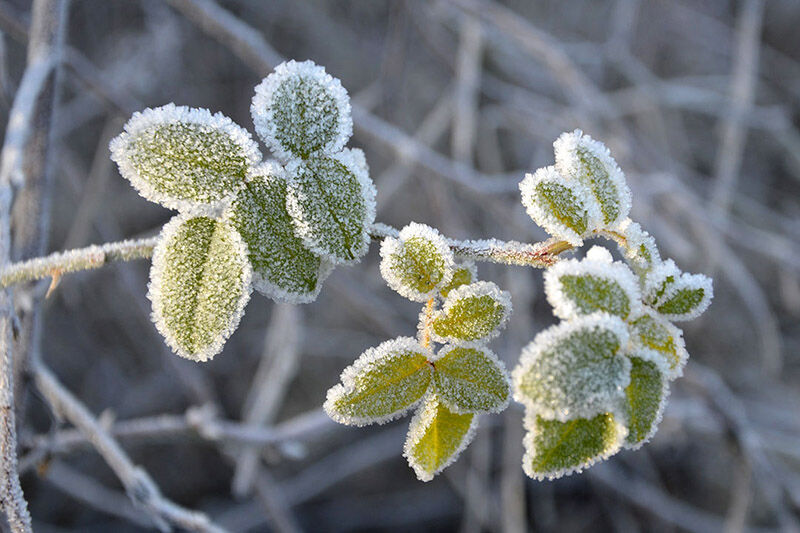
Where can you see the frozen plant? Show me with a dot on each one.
(591, 385)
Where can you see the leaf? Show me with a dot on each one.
(660, 342)
(596, 283)
(283, 269)
(416, 263)
(300, 110)
(641, 250)
(677, 295)
(657, 280)
(184, 158)
(554, 449)
(472, 312)
(574, 369)
(565, 209)
(381, 385)
(436, 437)
(464, 273)
(199, 284)
(645, 398)
(332, 203)
(470, 379)
(588, 162)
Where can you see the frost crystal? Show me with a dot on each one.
(677, 295)
(574, 369)
(332, 202)
(464, 273)
(471, 379)
(589, 162)
(199, 284)
(417, 263)
(596, 283)
(472, 312)
(655, 339)
(645, 399)
(300, 110)
(283, 269)
(184, 158)
(641, 250)
(436, 437)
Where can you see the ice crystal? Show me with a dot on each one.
(471, 379)
(472, 312)
(677, 295)
(332, 202)
(184, 158)
(417, 263)
(589, 162)
(300, 110)
(645, 399)
(574, 369)
(657, 340)
(641, 250)
(199, 284)
(464, 273)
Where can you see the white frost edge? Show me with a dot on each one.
(649, 354)
(304, 229)
(154, 295)
(659, 413)
(168, 114)
(391, 246)
(545, 219)
(593, 265)
(477, 289)
(262, 112)
(419, 423)
(655, 278)
(364, 361)
(528, 443)
(565, 148)
(489, 355)
(546, 338)
(693, 281)
(635, 237)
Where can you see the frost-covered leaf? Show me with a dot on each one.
(332, 202)
(574, 369)
(471, 312)
(564, 208)
(677, 295)
(464, 273)
(382, 384)
(596, 283)
(300, 110)
(471, 379)
(645, 398)
(283, 268)
(641, 250)
(659, 341)
(184, 158)
(417, 263)
(199, 284)
(436, 437)
(582, 159)
(554, 448)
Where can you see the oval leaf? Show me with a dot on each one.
(687, 298)
(184, 158)
(554, 449)
(588, 162)
(640, 250)
(300, 110)
(574, 369)
(645, 398)
(416, 263)
(332, 203)
(660, 342)
(472, 312)
(471, 379)
(381, 385)
(436, 437)
(283, 268)
(199, 284)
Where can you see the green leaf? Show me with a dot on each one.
(184, 158)
(472, 312)
(332, 203)
(588, 162)
(471, 380)
(464, 274)
(300, 110)
(574, 369)
(381, 385)
(677, 295)
(640, 250)
(436, 437)
(554, 449)
(559, 206)
(283, 268)
(662, 341)
(416, 263)
(199, 284)
(645, 398)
